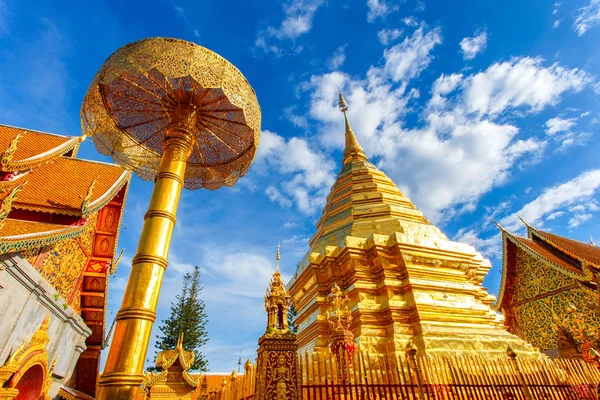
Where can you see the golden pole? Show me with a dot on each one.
(123, 372)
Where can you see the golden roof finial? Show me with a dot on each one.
(8, 154)
(353, 151)
(6, 203)
(278, 257)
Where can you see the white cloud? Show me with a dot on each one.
(471, 46)
(444, 85)
(579, 219)
(408, 59)
(299, 121)
(337, 59)
(410, 21)
(557, 6)
(308, 173)
(276, 197)
(461, 151)
(490, 247)
(298, 19)
(587, 17)
(557, 124)
(386, 36)
(557, 23)
(379, 8)
(562, 197)
(521, 82)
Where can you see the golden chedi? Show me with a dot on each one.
(405, 278)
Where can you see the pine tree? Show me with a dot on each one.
(292, 319)
(187, 317)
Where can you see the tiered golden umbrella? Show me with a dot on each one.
(183, 116)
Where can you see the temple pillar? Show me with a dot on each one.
(277, 375)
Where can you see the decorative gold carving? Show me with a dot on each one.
(88, 198)
(6, 204)
(277, 303)
(8, 154)
(28, 355)
(112, 269)
(139, 90)
(174, 379)
(542, 297)
(66, 261)
(338, 314)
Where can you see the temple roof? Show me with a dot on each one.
(25, 149)
(557, 252)
(581, 251)
(45, 192)
(62, 186)
(363, 200)
(550, 255)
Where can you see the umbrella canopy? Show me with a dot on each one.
(151, 85)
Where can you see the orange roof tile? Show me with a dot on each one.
(580, 250)
(62, 186)
(31, 143)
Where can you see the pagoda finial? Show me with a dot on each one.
(278, 257)
(353, 151)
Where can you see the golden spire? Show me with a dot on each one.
(278, 257)
(353, 151)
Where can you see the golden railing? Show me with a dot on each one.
(367, 376)
(378, 377)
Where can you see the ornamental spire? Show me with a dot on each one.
(353, 151)
(278, 257)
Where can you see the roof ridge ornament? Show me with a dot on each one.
(353, 150)
(6, 204)
(9, 153)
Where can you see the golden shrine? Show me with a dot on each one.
(549, 292)
(59, 226)
(174, 380)
(277, 364)
(405, 278)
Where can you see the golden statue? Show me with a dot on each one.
(281, 377)
(182, 116)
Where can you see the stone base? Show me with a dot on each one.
(277, 375)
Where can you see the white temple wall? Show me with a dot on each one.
(25, 300)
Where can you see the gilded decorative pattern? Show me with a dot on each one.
(536, 320)
(31, 254)
(67, 259)
(152, 74)
(535, 277)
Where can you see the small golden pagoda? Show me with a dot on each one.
(174, 380)
(405, 279)
(549, 291)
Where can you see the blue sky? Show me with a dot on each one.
(476, 109)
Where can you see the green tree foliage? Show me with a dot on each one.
(292, 319)
(187, 317)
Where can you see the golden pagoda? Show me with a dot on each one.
(405, 279)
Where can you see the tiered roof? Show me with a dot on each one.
(575, 259)
(45, 192)
(363, 200)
